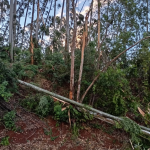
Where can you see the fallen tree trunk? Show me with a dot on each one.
(97, 113)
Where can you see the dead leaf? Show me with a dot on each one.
(141, 112)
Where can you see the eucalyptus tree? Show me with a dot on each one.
(37, 21)
(73, 47)
(23, 30)
(31, 38)
(11, 42)
(67, 29)
(62, 13)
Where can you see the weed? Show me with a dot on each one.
(75, 131)
(5, 141)
(9, 120)
(46, 132)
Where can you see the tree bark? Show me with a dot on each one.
(14, 30)
(47, 17)
(98, 36)
(67, 30)
(71, 95)
(82, 55)
(31, 39)
(147, 16)
(54, 14)
(25, 24)
(62, 13)
(81, 67)
(1, 11)
(37, 22)
(11, 29)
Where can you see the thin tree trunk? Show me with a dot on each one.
(91, 13)
(82, 55)
(47, 17)
(81, 67)
(91, 19)
(97, 113)
(14, 30)
(37, 22)
(25, 24)
(1, 11)
(71, 95)
(67, 30)
(16, 13)
(31, 39)
(147, 16)
(11, 28)
(54, 14)
(98, 38)
(49, 12)
(62, 13)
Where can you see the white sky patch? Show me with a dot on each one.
(26, 28)
(46, 38)
(85, 10)
(59, 13)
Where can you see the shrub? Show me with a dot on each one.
(9, 120)
(55, 68)
(24, 71)
(113, 92)
(42, 105)
(8, 82)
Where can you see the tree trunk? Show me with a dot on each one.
(11, 29)
(62, 13)
(97, 113)
(37, 22)
(71, 95)
(31, 39)
(98, 38)
(54, 14)
(25, 24)
(91, 13)
(67, 30)
(1, 11)
(147, 16)
(82, 56)
(14, 27)
(81, 67)
(47, 17)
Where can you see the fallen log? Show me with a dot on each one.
(100, 115)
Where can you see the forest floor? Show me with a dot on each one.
(95, 135)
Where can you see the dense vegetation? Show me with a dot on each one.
(92, 41)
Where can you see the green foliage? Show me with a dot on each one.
(37, 56)
(9, 120)
(60, 115)
(42, 105)
(3, 91)
(24, 71)
(115, 93)
(8, 82)
(4, 53)
(79, 116)
(45, 106)
(75, 130)
(130, 126)
(5, 141)
(55, 68)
